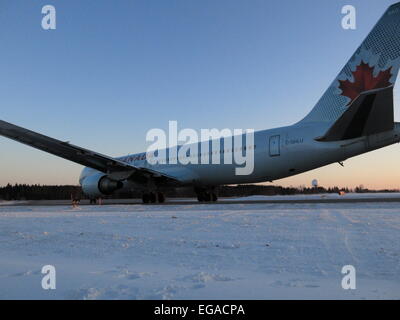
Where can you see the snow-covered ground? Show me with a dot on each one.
(322, 196)
(10, 203)
(219, 251)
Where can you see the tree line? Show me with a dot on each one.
(64, 192)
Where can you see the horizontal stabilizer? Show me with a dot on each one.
(370, 113)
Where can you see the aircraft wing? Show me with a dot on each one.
(115, 168)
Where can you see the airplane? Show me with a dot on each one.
(353, 116)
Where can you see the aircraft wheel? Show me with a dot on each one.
(207, 196)
(160, 197)
(145, 198)
(153, 197)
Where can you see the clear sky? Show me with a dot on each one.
(112, 70)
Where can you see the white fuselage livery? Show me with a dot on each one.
(297, 152)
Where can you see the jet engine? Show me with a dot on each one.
(98, 185)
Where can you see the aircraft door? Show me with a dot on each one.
(274, 146)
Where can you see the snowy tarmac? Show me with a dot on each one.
(202, 251)
(312, 198)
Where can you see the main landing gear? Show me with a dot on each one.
(206, 195)
(153, 197)
(98, 201)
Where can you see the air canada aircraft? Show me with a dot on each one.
(354, 116)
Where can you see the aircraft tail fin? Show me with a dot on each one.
(374, 65)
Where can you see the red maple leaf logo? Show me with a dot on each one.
(364, 80)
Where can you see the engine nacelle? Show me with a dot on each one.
(98, 185)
